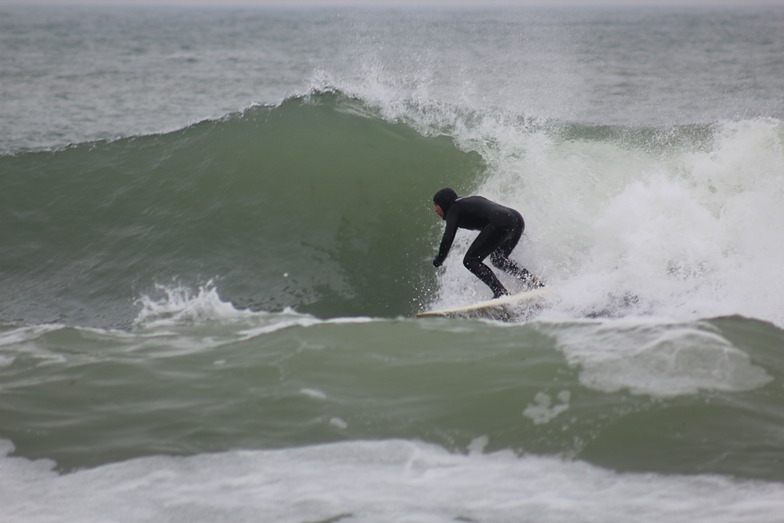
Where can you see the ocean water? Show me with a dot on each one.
(216, 228)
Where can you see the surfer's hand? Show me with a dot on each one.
(438, 262)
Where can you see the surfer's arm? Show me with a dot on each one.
(448, 238)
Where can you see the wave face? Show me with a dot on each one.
(316, 204)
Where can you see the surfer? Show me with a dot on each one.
(501, 228)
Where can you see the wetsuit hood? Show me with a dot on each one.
(444, 198)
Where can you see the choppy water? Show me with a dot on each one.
(216, 228)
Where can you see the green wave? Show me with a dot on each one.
(317, 204)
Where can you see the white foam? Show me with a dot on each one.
(544, 409)
(180, 304)
(379, 481)
(21, 335)
(687, 232)
(313, 393)
(657, 358)
(181, 315)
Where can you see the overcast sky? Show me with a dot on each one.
(395, 3)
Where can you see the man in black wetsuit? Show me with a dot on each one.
(501, 229)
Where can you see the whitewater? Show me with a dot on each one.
(216, 229)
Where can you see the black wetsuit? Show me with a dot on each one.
(501, 229)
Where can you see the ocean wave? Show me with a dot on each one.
(430, 485)
(321, 203)
(313, 204)
(677, 398)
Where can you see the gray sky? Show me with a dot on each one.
(396, 3)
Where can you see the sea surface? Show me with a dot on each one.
(216, 228)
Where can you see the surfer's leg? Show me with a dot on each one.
(509, 266)
(484, 273)
(500, 256)
(500, 259)
(484, 244)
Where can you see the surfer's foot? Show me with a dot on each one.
(498, 294)
(532, 282)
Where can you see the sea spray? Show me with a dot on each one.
(675, 231)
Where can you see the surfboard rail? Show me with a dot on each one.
(505, 307)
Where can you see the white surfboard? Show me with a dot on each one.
(501, 308)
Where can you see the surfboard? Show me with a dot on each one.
(505, 307)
